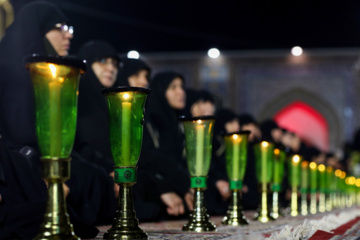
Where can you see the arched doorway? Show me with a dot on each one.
(305, 121)
(312, 100)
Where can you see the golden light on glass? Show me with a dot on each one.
(321, 167)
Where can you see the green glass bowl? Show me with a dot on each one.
(198, 138)
(126, 117)
(264, 161)
(55, 81)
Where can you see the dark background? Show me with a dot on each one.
(160, 26)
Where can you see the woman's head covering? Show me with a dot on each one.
(130, 67)
(158, 110)
(246, 118)
(223, 116)
(266, 127)
(92, 124)
(194, 96)
(25, 36)
(95, 50)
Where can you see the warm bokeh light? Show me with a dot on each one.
(199, 121)
(133, 54)
(296, 51)
(276, 151)
(313, 165)
(126, 96)
(304, 164)
(329, 169)
(296, 158)
(338, 172)
(264, 144)
(321, 167)
(52, 69)
(213, 53)
(342, 175)
(235, 136)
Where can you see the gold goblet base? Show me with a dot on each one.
(294, 203)
(263, 215)
(275, 212)
(234, 215)
(56, 223)
(199, 219)
(125, 224)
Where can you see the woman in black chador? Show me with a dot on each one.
(92, 135)
(134, 73)
(41, 28)
(163, 179)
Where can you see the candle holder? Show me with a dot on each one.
(322, 187)
(313, 187)
(279, 161)
(304, 187)
(236, 158)
(294, 178)
(126, 116)
(342, 187)
(55, 81)
(198, 138)
(264, 169)
(338, 187)
(357, 190)
(329, 188)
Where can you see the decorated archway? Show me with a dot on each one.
(316, 104)
(305, 121)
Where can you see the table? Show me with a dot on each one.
(346, 222)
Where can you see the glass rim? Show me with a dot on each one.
(247, 132)
(124, 89)
(185, 119)
(60, 60)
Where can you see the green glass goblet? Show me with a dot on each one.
(294, 180)
(55, 81)
(126, 116)
(264, 170)
(313, 187)
(198, 138)
(236, 158)
(279, 164)
(304, 187)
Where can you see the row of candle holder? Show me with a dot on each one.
(326, 188)
(55, 81)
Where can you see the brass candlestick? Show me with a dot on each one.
(126, 114)
(55, 81)
(304, 205)
(198, 138)
(264, 166)
(322, 203)
(56, 223)
(294, 178)
(199, 219)
(236, 157)
(313, 203)
(294, 203)
(125, 224)
(278, 174)
(275, 211)
(263, 215)
(234, 215)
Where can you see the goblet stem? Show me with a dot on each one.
(313, 205)
(199, 219)
(56, 223)
(304, 205)
(125, 224)
(264, 214)
(328, 202)
(294, 202)
(275, 205)
(234, 214)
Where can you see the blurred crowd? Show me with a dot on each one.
(162, 191)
